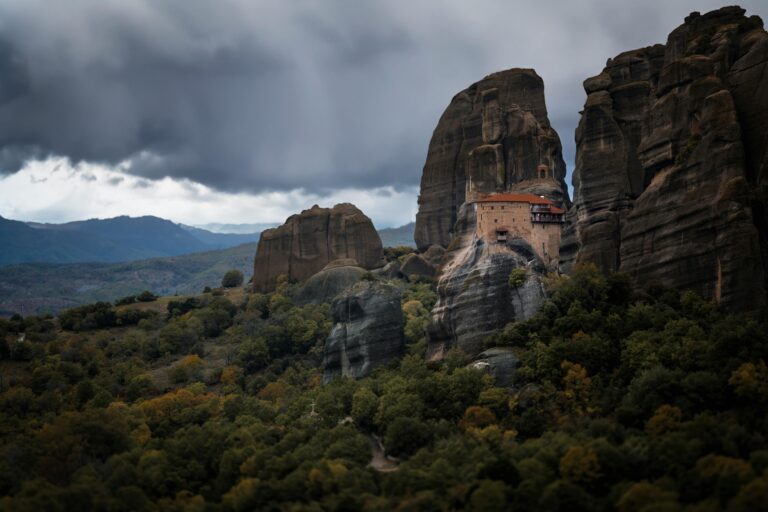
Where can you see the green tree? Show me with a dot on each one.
(517, 277)
(364, 406)
(232, 279)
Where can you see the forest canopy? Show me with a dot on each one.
(624, 398)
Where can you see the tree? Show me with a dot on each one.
(364, 406)
(517, 278)
(580, 465)
(490, 495)
(232, 279)
(405, 435)
(146, 296)
(253, 355)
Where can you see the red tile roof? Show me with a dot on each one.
(555, 209)
(515, 198)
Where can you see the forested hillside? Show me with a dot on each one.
(38, 288)
(628, 399)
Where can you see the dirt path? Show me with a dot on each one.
(380, 461)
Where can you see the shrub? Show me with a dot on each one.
(517, 278)
(232, 279)
(130, 299)
(146, 296)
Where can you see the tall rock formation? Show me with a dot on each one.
(672, 149)
(475, 299)
(497, 129)
(308, 241)
(367, 331)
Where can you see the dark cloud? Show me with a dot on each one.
(276, 95)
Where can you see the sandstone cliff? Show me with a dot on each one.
(367, 331)
(308, 241)
(672, 151)
(497, 128)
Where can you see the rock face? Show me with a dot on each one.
(367, 331)
(496, 129)
(336, 277)
(308, 241)
(672, 156)
(474, 296)
(501, 362)
(416, 265)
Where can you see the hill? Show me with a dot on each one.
(393, 237)
(221, 240)
(34, 288)
(107, 240)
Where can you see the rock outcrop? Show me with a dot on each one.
(475, 299)
(335, 277)
(672, 151)
(308, 241)
(500, 362)
(367, 331)
(497, 130)
(416, 265)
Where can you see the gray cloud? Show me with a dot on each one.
(275, 95)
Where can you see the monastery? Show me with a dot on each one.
(502, 217)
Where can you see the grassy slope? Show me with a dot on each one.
(38, 288)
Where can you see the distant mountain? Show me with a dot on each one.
(36, 288)
(107, 240)
(221, 240)
(392, 237)
(238, 229)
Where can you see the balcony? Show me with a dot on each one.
(557, 218)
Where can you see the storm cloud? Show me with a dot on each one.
(281, 95)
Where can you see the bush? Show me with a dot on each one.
(146, 296)
(517, 278)
(90, 316)
(232, 279)
(130, 299)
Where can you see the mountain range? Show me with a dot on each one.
(394, 237)
(107, 240)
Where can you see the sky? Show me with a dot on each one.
(247, 111)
